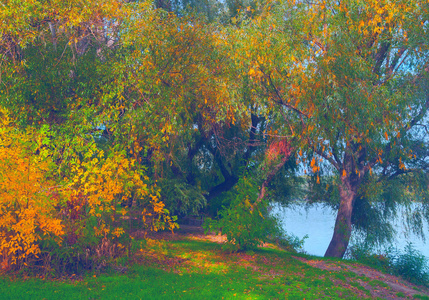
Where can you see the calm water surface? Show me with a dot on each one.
(318, 223)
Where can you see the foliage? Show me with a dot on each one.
(102, 179)
(345, 83)
(108, 102)
(289, 242)
(28, 209)
(411, 265)
(407, 263)
(286, 186)
(246, 223)
(67, 226)
(181, 198)
(51, 57)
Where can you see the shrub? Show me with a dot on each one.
(290, 243)
(246, 223)
(363, 253)
(27, 208)
(411, 265)
(54, 225)
(94, 236)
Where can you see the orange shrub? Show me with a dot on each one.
(106, 180)
(34, 207)
(27, 208)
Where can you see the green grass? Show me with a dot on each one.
(378, 283)
(190, 269)
(420, 297)
(151, 283)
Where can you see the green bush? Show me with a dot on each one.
(181, 198)
(246, 223)
(411, 265)
(290, 243)
(363, 253)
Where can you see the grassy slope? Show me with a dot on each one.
(193, 269)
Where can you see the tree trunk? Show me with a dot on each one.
(225, 186)
(270, 176)
(343, 224)
(54, 35)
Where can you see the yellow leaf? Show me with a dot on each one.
(313, 162)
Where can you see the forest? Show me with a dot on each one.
(122, 115)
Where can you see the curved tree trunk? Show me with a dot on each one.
(270, 176)
(352, 174)
(284, 150)
(343, 224)
(225, 186)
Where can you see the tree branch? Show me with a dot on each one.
(279, 97)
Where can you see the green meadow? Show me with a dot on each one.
(197, 269)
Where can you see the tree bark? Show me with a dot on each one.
(268, 179)
(352, 173)
(54, 35)
(225, 186)
(343, 223)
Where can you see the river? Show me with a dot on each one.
(318, 221)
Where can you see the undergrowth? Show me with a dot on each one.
(408, 263)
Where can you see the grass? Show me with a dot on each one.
(193, 269)
(420, 297)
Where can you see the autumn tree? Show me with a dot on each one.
(142, 95)
(210, 10)
(347, 81)
(47, 51)
(57, 68)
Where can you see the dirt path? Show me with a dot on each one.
(394, 285)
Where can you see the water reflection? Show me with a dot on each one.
(317, 221)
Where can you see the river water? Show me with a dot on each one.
(317, 221)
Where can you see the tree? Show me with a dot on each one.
(49, 51)
(146, 89)
(347, 83)
(57, 76)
